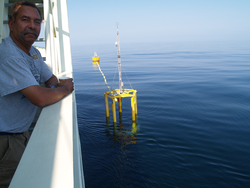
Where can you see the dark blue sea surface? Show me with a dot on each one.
(193, 127)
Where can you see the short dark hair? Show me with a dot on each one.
(14, 9)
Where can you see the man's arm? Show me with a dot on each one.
(46, 96)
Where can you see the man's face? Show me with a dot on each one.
(26, 27)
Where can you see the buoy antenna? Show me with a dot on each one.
(119, 60)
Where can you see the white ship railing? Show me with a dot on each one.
(53, 156)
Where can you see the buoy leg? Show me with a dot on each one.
(106, 105)
(134, 127)
(120, 104)
(135, 103)
(113, 109)
(107, 120)
(133, 108)
(120, 108)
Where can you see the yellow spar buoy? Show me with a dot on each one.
(95, 59)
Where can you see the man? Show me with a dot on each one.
(21, 72)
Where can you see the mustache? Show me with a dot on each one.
(28, 31)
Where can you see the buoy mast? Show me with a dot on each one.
(120, 93)
(119, 61)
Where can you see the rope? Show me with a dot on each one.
(103, 76)
(113, 78)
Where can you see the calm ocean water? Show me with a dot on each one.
(193, 126)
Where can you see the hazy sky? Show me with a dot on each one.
(93, 21)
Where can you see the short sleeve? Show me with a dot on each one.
(15, 75)
(45, 72)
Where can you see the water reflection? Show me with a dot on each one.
(95, 66)
(124, 134)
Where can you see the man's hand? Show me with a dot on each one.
(68, 84)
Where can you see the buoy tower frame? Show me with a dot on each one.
(120, 93)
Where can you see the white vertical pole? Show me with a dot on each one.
(1, 19)
(4, 28)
